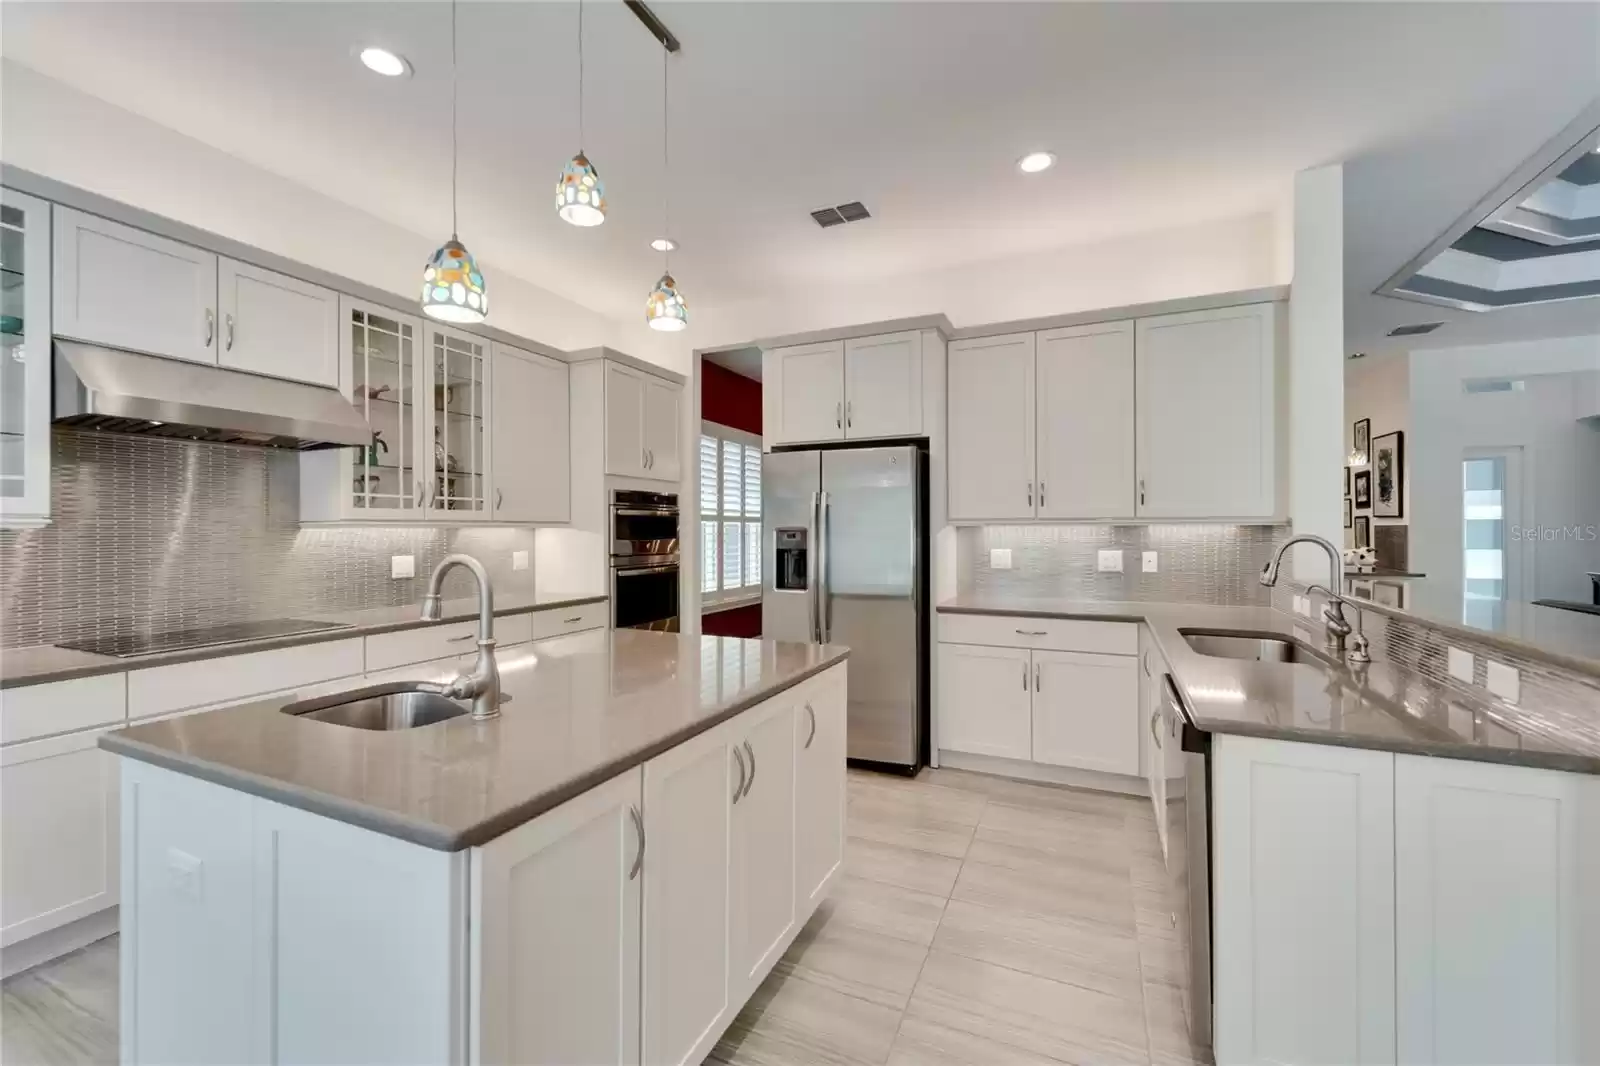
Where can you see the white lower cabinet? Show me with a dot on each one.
(1497, 913)
(763, 853)
(1303, 863)
(819, 789)
(556, 946)
(1085, 711)
(985, 701)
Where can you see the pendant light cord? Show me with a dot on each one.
(581, 137)
(666, 164)
(454, 119)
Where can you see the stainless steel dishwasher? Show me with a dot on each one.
(1189, 858)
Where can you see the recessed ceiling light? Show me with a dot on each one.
(664, 244)
(382, 61)
(1034, 162)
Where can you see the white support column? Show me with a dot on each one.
(1316, 365)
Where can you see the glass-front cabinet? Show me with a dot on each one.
(423, 389)
(24, 360)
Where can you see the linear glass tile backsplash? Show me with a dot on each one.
(150, 535)
(1199, 563)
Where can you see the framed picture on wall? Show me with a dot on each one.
(1363, 531)
(1347, 482)
(1361, 436)
(1363, 490)
(1388, 463)
(1347, 512)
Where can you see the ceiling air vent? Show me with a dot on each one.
(854, 211)
(1415, 331)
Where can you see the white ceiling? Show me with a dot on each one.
(1161, 115)
(746, 362)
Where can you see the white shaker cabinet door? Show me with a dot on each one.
(59, 841)
(1207, 413)
(819, 787)
(1085, 418)
(991, 413)
(557, 943)
(1303, 862)
(531, 445)
(277, 325)
(803, 393)
(663, 428)
(688, 801)
(883, 386)
(624, 421)
(1086, 711)
(1497, 925)
(763, 846)
(123, 287)
(985, 700)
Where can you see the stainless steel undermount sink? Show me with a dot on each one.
(401, 705)
(1256, 647)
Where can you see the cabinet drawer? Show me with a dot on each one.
(226, 678)
(554, 623)
(43, 710)
(1054, 634)
(385, 651)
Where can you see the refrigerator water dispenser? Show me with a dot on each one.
(790, 555)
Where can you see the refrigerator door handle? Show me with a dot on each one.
(824, 575)
(813, 570)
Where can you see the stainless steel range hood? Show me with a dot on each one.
(125, 392)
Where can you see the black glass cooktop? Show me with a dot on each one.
(132, 644)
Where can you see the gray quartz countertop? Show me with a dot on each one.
(582, 709)
(1383, 705)
(46, 662)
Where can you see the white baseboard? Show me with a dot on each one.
(1042, 773)
(53, 943)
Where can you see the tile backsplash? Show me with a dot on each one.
(1198, 563)
(151, 534)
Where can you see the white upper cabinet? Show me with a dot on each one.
(883, 386)
(803, 388)
(123, 287)
(455, 405)
(24, 360)
(1086, 711)
(643, 415)
(531, 446)
(1083, 397)
(277, 325)
(991, 428)
(663, 418)
(1207, 402)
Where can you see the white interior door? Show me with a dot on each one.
(991, 428)
(1085, 417)
(1086, 711)
(803, 392)
(1495, 566)
(277, 325)
(883, 386)
(532, 445)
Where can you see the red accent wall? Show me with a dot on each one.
(729, 399)
(737, 622)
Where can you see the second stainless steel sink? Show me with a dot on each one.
(1237, 644)
(394, 706)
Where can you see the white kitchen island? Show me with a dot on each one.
(604, 874)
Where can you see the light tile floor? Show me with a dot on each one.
(979, 921)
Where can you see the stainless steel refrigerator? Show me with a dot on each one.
(845, 532)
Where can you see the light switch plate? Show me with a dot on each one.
(1504, 681)
(402, 566)
(1111, 561)
(1302, 606)
(1150, 563)
(1460, 664)
(999, 558)
(520, 560)
(185, 874)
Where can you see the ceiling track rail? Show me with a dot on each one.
(657, 28)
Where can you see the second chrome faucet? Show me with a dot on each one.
(1339, 628)
(481, 684)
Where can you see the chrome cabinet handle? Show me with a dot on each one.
(748, 750)
(813, 734)
(418, 502)
(848, 421)
(462, 637)
(499, 498)
(837, 423)
(738, 790)
(1041, 494)
(1144, 661)
(1153, 734)
(1141, 492)
(1024, 677)
(211, 326)
(229, 345)
(638, 825)
(574, 618)
(1031, 632)
(1030, 494)
(1037, 684)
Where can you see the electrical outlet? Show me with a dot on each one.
(402, 566)
(1504, 681)
(1111, 561)
(185, 874)
(1302, 606)
(1460, 664)
(1150, 564)
(520, 560)
(999, 558)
